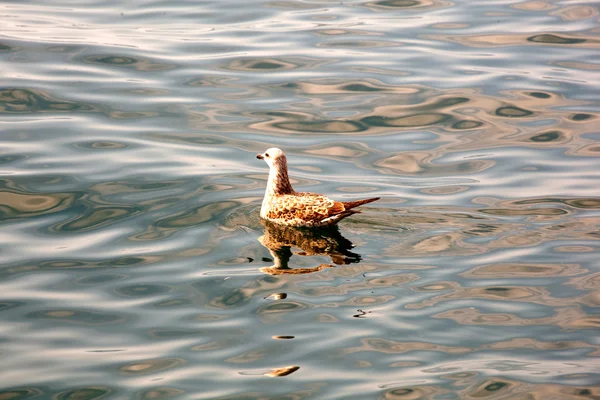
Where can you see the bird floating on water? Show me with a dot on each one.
(283, 205)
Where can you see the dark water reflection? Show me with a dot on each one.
(279, 240)
(134, 264)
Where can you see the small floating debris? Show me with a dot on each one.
(361, 313)
(275, 372)
(284, 371)
(276, 296)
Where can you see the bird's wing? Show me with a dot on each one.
(309, 207)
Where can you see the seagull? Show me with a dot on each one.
(283, 205)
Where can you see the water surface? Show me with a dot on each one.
(134, 264)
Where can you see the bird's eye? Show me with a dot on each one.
(266, 154)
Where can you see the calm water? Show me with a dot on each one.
(133, 261)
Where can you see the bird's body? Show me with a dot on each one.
(283, 205)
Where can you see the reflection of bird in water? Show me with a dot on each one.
(284, 371)
(285, 206)
(311, 242)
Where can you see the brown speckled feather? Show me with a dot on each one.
(283, 205)
(311, 208)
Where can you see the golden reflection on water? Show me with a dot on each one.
(21, 205)
(576, 12)
(565, 318)
(311, 242)
(419, 163)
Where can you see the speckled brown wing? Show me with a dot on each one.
(311, 208)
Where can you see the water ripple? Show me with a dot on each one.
(134, 264)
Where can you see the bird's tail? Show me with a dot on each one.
(351, 204)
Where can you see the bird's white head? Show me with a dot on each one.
(274, 157)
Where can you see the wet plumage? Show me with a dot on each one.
(283, 205)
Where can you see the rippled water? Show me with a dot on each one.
(133, 261)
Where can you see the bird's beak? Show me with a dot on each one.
(260, 156)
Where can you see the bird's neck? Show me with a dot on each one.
(279, 182)
(277, 185)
